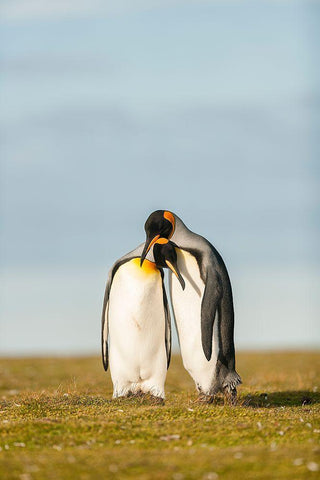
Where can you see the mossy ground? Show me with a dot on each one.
(58, 421)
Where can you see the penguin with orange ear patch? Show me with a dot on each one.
(204, 310)
(136, 326)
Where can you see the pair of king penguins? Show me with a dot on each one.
(202, 308)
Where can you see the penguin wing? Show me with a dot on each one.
(168, 322)
(209, 306)
(104, 321)
(220, 282)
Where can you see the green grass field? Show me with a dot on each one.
(58, 422)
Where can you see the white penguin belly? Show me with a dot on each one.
(187, 312)
(136, 318)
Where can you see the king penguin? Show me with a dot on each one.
(203, 313)
(136, 321)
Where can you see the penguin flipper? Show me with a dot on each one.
(167, 324)
(104, 324)
(210, 303)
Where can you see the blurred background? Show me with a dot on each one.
(210, 109)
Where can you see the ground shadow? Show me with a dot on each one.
(288, 398)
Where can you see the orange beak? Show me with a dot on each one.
(177, 274)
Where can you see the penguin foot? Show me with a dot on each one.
(231, 381)
(147, 397)
(156, 400)
(231, 396)
(205, 398)
(141, 397)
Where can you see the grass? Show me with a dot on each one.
(57, 421)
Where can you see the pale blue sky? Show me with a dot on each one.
(210, 109)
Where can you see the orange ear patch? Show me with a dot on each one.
(169, 216)
(162, 241)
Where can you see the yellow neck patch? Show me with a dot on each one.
(147, 267)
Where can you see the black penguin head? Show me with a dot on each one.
(165, 256)
(160, 224)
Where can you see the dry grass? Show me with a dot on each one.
(58, 422)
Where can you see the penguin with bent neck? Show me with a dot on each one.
(203, 312)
